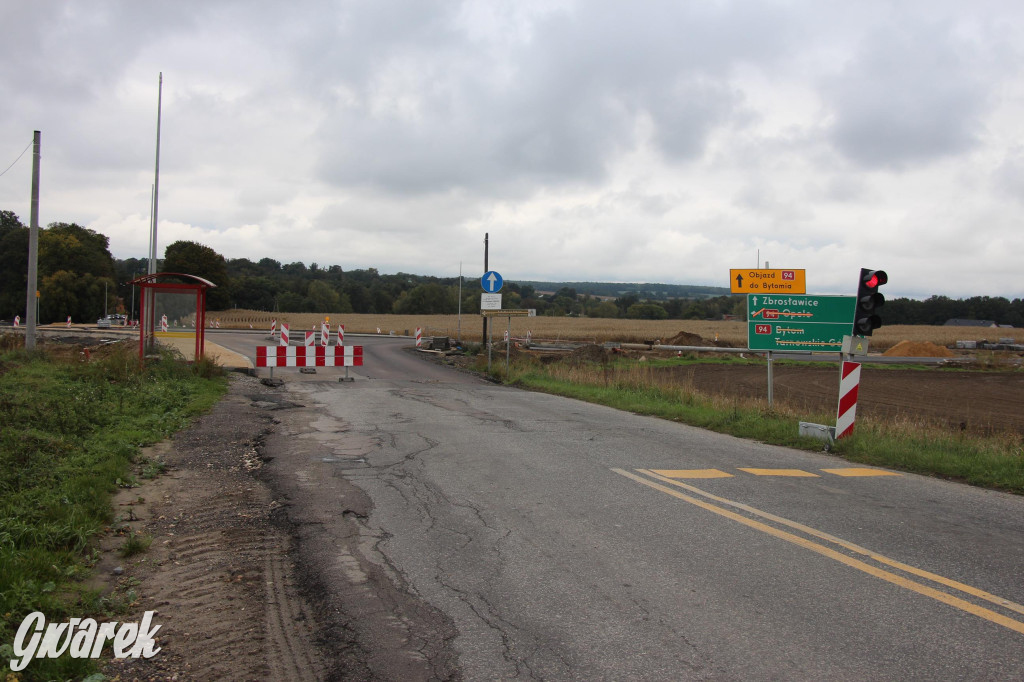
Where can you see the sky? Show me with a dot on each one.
(597, 140)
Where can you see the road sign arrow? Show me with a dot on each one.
(492, 279)
(739, 281)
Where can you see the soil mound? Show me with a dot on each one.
(918, 349)
(687, 339)
(589, 353)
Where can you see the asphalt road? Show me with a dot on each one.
(543, 538)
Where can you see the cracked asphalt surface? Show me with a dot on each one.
(449, 528)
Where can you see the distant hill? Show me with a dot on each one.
(644, 290)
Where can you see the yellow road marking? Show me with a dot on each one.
(882, 574)
(692, 473)
(860, 471)
(967, 589)
(799, 473)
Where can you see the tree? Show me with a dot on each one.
(192, 258)
(322, 298)
(425, 299)
(646, 311)
(13, 265)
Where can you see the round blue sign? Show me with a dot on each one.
(491, 282)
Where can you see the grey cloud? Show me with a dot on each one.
(557, 107)
(911, 95)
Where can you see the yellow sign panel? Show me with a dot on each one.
(509, 313)
(761, 281)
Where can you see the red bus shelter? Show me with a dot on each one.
(163, 282)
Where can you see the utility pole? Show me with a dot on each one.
(31, 300)
(483, 339)
(156, 179)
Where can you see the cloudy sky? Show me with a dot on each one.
(593, 139)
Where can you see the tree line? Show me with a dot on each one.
(76, 271)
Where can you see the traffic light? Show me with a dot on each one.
(866, 319)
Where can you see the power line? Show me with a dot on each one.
(17, 159)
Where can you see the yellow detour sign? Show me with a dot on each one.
(762, 281)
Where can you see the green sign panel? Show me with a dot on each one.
(799, 323)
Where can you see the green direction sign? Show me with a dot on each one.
(798, 323)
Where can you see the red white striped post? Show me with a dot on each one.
(310, 338)
(341, 335)
(17, 320)
(69, 322)
(284, 334)
(419, 337)
(314, 356)
(325, 334)
(849, 384)
(163, 323)
(273, 326)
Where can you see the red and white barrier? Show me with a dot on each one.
(849, 384)
(216, 323)
(325, 334)
(529, 336)
(506, 336)
(69, 322)
(314, 356)
(284, 334)
(273, 326)
(419, 337)
(163, 323)
(17, 320)
(310, 338)
(341, 335)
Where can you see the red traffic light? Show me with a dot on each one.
(875, 278)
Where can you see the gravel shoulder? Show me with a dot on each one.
(220, 571)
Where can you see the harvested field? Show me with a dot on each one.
(594, 330)
(976, 402)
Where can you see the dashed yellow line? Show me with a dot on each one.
(860, 471)
(951, 600)
(692, 473)
(796, 473)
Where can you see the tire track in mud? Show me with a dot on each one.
(219, 571)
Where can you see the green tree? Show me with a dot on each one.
(322, 298)
(604, 309)
(192, 258)
(426, 299)
(13, 265)
(646, 311)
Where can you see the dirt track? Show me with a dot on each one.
(980, 401)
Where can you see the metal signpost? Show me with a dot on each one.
(490, 301)
(785, 322)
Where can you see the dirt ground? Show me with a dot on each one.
(220, 571)
(977, 401)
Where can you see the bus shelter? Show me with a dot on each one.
(170, 283)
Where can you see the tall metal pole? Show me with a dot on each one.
(31, 300)
(460, 305)
(483, 337)
(156, 179)
(146, 325)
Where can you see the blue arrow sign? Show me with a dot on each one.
(491, 282)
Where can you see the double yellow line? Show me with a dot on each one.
(721, 509)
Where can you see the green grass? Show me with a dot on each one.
(70, 432)
(995, 461)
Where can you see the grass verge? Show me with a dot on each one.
(988, 461)
(70, 431)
